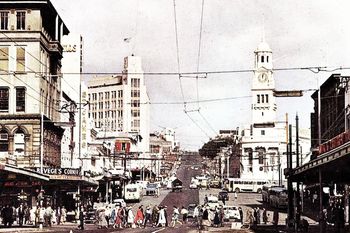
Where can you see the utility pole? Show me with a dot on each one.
(289, 180)
(298, 209)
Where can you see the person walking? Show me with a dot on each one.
(184, 213)
(161, 218)
(81, 218)
(148, 216)
(139, 217)
(155, 214)
(63, 215)
(175, 217)
(265, 218)
(130, 221)
(235, 195)
(216, 219)
(119, 218)
(258, 215)
(58, 215)
(240, 214)
(20, 214)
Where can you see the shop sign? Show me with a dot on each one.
(21, 183)
(60, 171)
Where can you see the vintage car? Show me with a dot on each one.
(151, 189)
(176, 185)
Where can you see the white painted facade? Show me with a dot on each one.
(264, 145)
(71, 99)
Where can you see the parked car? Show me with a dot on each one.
(223, 194)
(190, 209)
(119, 202)
(231, 212)
(193, 185)
(213, 202)
(90, 216)
(152, 189)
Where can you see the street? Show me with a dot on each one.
(167, 198)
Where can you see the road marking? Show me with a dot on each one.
(158, 230)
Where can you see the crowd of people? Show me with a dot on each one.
(36, 216)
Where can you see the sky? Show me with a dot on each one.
(312, 33)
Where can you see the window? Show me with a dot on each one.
(267, 98)
(262, 59)
(261, 157)
(267, 58)
(20, 59)
(19, 143)
(262, 99)
(4, 20)
(4, 59)
(20, 99)
(250, 157)
(4, 99)
(21, 20)
(262, 132)
(258, 99)
(4, 141)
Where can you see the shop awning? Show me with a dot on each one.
(74, 180)
(22, 171)
(334, 166)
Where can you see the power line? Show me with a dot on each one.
(203, 131)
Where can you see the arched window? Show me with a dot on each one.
(19, 143)
(267, 58)
(4, 141)
(262, 59)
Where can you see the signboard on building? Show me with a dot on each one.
(60, 171)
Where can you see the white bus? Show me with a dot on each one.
(244, 185)
(133, 192)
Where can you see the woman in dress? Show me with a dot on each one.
(161, 219)
(130, 217)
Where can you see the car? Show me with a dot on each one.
(213, 202)
(152, 189)
(90, 216)
(193, 185)
(214, 183)
(231, 212)
(176, 185)
(142, 183)
(190, 210)
(119, 202)
(223, 194)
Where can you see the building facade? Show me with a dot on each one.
(72, 105)
(30, 82)
(264, 142)
(120, 104)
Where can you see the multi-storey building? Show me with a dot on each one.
(121, 104)
(30, 82)
(264, 145)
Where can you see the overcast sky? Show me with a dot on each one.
(300, 34)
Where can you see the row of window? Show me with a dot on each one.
(107, 114)
(20, 20)
(5, 99)
(135, 82)
(93, 97)
(262, 98)
(5, 58)
(262, 59)
(135, 93)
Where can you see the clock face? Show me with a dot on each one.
(262, 77)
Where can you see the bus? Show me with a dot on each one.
(244, 185)
(133, 192)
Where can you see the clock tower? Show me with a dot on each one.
(263, 85)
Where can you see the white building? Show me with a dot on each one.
(72, 106)
(120, 104)
(264, 141)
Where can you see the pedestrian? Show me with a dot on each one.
(222, 215)
(249, 218)
(118, 223)
(205, 199)
(255, 215)
(130, 221)
(196, 215)
(155, 215)
(63, 215)
(216, 219)
(240, 214)
(314, 198)
(48, 216)
(148, 216)
(205, 218)
(265, 218)
(184, 213)
(102, 222)
(139, 217)
(166, 216)
(81, 218)
(258, 215)
(58, 215)
(223, 201)
(108, 213)
(20, 211)
(235, 195)
(175, 217)
(161, 218)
